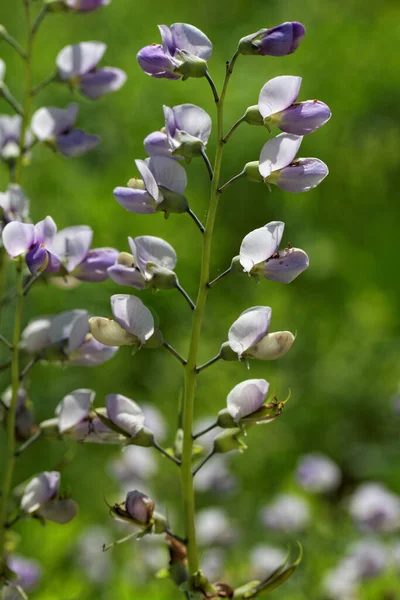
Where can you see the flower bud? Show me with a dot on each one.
(252, 116)
(252, 173)
(272, 346)
(125, 259)
(192, 65)
(280, 40)
(110, 333)
(223, 590)
(139, 507)
(229, 440)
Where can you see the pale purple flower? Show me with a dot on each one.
(180, 43)
(34, 241)
(78, 65)
(318, 473)
(277, 105)
(278, 166)
(214, 528)
(246, 398)
(287, 513)
(264, 560)
(10, 132)
(27, 570)
(85, 5)
(149, 255)
(139, 507)
(24, 415)
(55, 126)
(341, 583)
(41, 497)
(155, 420)
(369, 558)
(260, 255)
(160, 175)
(248, 337)
(72, 246)
(280, 40)
(374, 508)
(187, 129)
(14, 204)
(125, 413)
(133, 323)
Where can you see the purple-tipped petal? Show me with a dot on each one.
(133, 316)
(136, 201)
(92, 353)
(74, 408)
(249, 328)
(85, 5)
(168, 173)
(95, 266)
(79, 59)
(148, 179)
(156, 144)
(125, 413)
(246, 397)
(287, 266)
(50, 122)
(282, 40)
(166, 38)
(72, 245)
(304, 117)
(260, 244)
(40, 489)
(76, 143)
(45, 231)
(53, 263)
(18, 237)
(278, 153)
(302, 175)
(35, 258)
(277, 94)
(127, 276)
(187, 37)
(194, 120)
(156, 62)
(148, 248)
(102, 81)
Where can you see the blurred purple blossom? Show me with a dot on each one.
(85, 5)
(41, 497)
(27, 570)
(14, 204)
(288, 513)
(264, 560)
(10, 131)
(374, 508)
(318, 473)
(214, 528)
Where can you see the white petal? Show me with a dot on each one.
(110, 333)
(194, 120)
(148, 180)
(147, 248)
(39, 490)
(278, 153)
(277, 94)
(71, 325)
(133, 316)
(272, 346)
(45, 231)
(2, 70)
(36, 335)
(74, 408)
(168, 173)
(191, 39)
(249, 328)
(246, 397)
(125, 413)
(72, 244)
(50, 121)
(260, 244)
(79, 58)
(18, 237)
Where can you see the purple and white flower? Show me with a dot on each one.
(260, 255)
(214, 528)
(24, 415)
(183, 52)
(55, 126)
(374, 508)
(78, 65)
(248, 337)
(133, 323)
(246, 398)
(318, 473)
(85, 5)
(139, 507)
(27, 571)
(33, 241)
(278, 106)
(288, 513)
(187, 129)
(41, 498)
(10, 133)
(280, 40)
(14, 204)
(152, 259)
(163, 182)
(277, 165)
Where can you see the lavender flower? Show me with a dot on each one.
(214, 528)
(277, 165)
(183, 53)
(151, 264)
(72, 246)
(286, 513)
(374, 508)
(133, 323)
(14, 204)
(24, 415)
(280, 40)
(187, 129)
(369, 558)
(277, 105)
(260, 255)
(41, 498)
(28, 571)
(318, 473)
(341, 583)
(55, 126)
(10, 132)
(34, 241)
(85, 5)
(125, 414)
(78, 65)
(160, 189)
(249, 338)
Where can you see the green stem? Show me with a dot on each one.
(13, 43)
(228, 183)
(208, 363)
(44, 83)
(221, 276)
(233, 128)
(190, 368)
(8, 97)
(10, 452)
(203, 462)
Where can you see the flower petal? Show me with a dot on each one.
(260, 244)
(78, 59)
(194, 120)
(91, 353)
(148, 179)
(304, 117)
(70, 326)
(18, 237)
(156, 62)
(76, 143)
(133, 316)
(148, 248)
(137, 201)
(168, 173)
(74, 408)
(127, 276)
(110, 333)
(95, 265)
(39, 490)
(50, 121)
(187, 37)
(35, 258)
(125, 413)
(278, 153)
(156, 144)
(272, 346)
(103, 81)
(249, 328)
(45, 231)
(277, 94)
(61, 512)
(72, 244)
(287, 266)
(246, 397)
(303, 175)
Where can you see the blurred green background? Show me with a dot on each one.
(343, 369)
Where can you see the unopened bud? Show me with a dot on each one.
(160, 523)
(192, 66)
(223, 590)
(172, 203)
(248, 44)
(252, 116)
(139, 507)
(272, 346)
(228, 440)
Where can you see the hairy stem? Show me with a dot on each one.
(190, 368)
(10, 452)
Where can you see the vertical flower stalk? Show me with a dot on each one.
(190, 368)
